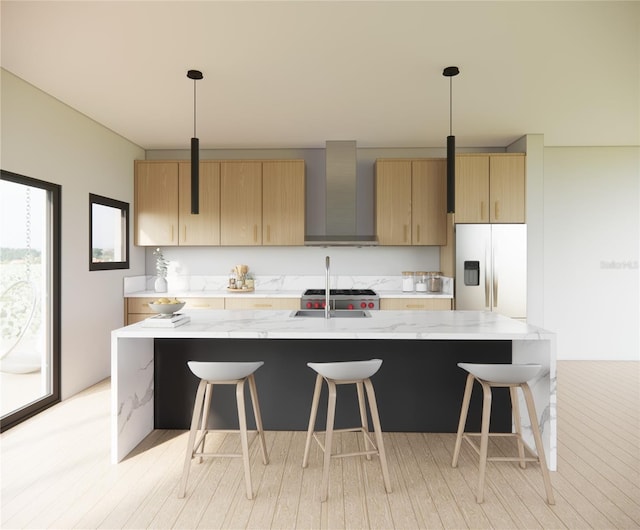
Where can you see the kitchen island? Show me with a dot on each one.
(420, 351)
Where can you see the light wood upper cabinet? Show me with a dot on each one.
(429, 202)
(163, 204)
(411, 202)
(156, 206)
(283, 202)
(490, 188)
(393, 202)
(472, 189)
(507, 189)
(241, 203)
(203, 228)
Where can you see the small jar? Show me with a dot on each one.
(407, 281)
(421, 281)
(434, 282)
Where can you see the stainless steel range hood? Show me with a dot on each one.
(341, 179)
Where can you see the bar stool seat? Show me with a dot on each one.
(223, 373)
(512, 376)
(341, 373)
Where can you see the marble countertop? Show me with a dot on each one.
(275, 286)
(403, 325)
(270, 294)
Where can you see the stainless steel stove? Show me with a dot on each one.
(340, 299)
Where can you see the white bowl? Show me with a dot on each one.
(167, 309)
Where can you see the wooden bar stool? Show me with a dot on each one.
(512, 376)
(343, 373)
(223, 373)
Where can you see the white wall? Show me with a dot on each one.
(591, 238)
(45, 139)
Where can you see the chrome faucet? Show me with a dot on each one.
(327, 306)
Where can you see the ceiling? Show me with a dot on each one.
(297, 73)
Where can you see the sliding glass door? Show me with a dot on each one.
(29, 297)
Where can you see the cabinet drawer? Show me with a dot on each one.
(139, 305)
(425, 304)
(262, 303)
(204, 303)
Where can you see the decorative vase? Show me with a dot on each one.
(160, 285)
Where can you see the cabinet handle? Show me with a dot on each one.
(418, 233)
(481, 210)
(200, 305)
(405, 233)
(255, 233)
(496, 209)
(262, 305)
(414, 306)
(172, 233)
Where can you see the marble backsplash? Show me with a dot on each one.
(193, 283)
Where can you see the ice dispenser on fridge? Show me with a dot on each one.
(472, 273)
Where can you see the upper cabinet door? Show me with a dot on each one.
(283, 202)
(203, 228)
(429, 202)
(393, 202)
(156, 206)
(472, 189)
(507, 188)
(241, 203)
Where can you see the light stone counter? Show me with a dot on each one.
(132, 350)
(275, 286)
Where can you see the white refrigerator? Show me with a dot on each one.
(491, 268)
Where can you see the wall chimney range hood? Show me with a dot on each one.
(341, 180)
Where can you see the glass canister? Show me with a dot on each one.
(407, 281)
(421, 281)
(434, 282)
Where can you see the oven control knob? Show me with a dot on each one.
(323, 305)
(350, 306)
(309, 305)
(371, 305)
(363, 305)
(316, 305)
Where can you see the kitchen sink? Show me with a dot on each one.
(334, 313)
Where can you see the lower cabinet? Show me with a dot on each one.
(418, 304)
(137, 309)
(262, 303)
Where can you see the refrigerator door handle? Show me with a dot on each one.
(495, 277)
(487, 281)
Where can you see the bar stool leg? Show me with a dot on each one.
(484, 438)
(363, 417)
(205, 419)
(328, 439)
(463, 418)
(515, 408)
(242, 418)
(312, 419)
(195, 419)
(533, 418)
(373, 406)
(258, 417)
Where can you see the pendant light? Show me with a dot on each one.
(195, 150)
(451, 71)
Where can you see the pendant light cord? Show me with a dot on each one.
(194, 109)
(450, 106)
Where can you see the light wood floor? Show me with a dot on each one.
(56, 473)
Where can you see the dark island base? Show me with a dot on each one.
(418, 388)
